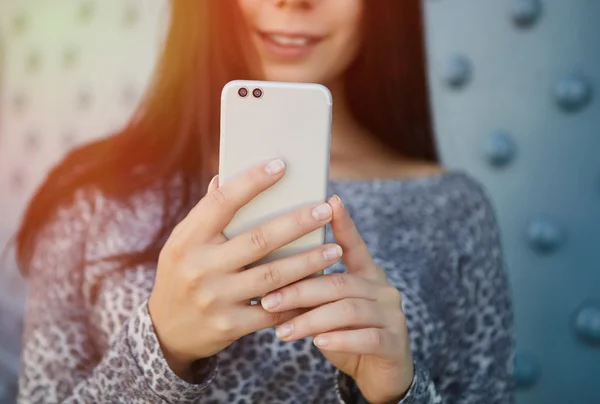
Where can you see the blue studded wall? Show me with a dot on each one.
(515, 88)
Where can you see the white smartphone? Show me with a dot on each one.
(262, 121)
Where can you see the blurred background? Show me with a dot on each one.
(514, 89)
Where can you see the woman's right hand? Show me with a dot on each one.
(200, 302)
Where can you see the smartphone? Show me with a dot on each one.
(262, 121)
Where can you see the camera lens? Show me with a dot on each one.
(243, 92)
(257, 93)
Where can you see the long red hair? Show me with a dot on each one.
(175, 131)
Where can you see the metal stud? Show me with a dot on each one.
(587, 323)
(32, 142)
(20, 24)
(131, 16)
(84, 99)
(500, 148)
(20, 102)
(573, 92)
(457, 71)
(68, 139)
(526, 370)
(544, 236)
(17, 180)
(129, 95)
(70, 57)
(86, 11)
(525, 13)
(33, 62)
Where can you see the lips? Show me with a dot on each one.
(288, 45)
(289, 39)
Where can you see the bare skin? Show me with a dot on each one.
(357, 155)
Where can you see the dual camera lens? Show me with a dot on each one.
(256, 93)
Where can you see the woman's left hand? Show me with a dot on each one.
(357, 319)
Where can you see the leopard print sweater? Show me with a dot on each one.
(89, 339)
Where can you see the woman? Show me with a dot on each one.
(137, 297)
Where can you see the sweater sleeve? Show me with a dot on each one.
(421, 391)
(60, 362)
(478, 366)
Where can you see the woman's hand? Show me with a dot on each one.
(200, 302)
(357, 319)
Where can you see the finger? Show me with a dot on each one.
(214, 212)
(248, 319)
(364, 341)
(346, 313)
(213, 184)
(258, 242)
(264, 278)
(321, 290)
(357, 257)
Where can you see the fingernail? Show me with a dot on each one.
(271, 301)
(332, 253)
(339, 200)
(210, 184)
(275, 167)
(322, 212)
(284, 330)
(321, 341)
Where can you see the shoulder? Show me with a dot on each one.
(461, 233)
(450, 187)
(462, 205)
(449, 196)
(124, 225)
(63, 233)
(471, 211)
(471, 234)
(448, 211)
(452, 207)
(56, 251)
(92, 225)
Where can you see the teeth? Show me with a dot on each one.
(289, 41)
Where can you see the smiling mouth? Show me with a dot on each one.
(290, 40)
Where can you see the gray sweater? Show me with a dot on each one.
(89, 339)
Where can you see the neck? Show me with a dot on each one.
(349, 139)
